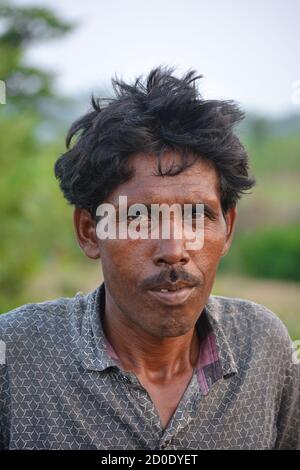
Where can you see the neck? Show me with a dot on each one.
(157, 359)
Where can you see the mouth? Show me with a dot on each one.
(172, 297)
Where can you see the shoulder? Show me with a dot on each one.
(245, 314)
(250, 322)
(32, 318)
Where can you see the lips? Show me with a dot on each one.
(171, 294)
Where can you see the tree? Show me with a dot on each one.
(26, 180)
(21, 27)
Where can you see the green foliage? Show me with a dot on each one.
(273, 252)
(274, 154)
(32, 209)
(30, 204)
(21, 27)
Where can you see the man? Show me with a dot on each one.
(150, 360)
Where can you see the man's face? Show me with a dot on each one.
(136, 271)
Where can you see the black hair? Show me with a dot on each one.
(161, 113)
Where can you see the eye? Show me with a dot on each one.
(138, 217)
(204, 212)
(196, 214)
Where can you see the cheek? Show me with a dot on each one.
(120, 258)
(214, 241)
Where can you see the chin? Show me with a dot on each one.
(171, 329)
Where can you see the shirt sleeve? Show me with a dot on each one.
(288, 420)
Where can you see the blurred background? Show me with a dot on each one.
(54, 54)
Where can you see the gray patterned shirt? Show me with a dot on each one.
(63, 387)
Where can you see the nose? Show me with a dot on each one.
(170, 252)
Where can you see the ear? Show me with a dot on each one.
(230, 219)
(85, 229)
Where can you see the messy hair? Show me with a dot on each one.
(159, 114)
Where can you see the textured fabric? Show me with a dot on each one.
(62, 386)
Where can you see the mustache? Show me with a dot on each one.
(173, 275)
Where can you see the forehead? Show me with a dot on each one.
(199, 182)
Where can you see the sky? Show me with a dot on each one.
(248, 51)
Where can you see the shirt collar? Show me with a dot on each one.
(93, 341)
(216, 358)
